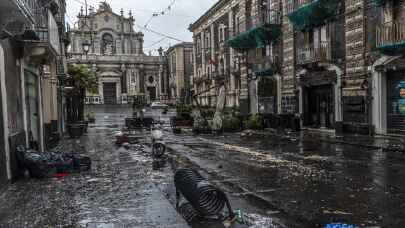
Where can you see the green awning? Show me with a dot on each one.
(314, 14)
(257, 37)
(392, 49)
(379, 2)
(268, 72)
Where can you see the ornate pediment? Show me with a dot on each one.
(104, 7)
(109, 73)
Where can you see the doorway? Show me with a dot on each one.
(152, 93)
(110, 92)
(267, 95)
(396, 103)
(319, 107)
(31, 99)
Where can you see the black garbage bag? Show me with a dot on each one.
(40, 165)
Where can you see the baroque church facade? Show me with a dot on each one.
(108, 43)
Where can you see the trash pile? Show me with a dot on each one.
(51, 164)
(126, 137)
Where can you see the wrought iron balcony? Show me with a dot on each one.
(221, 74)
(267, 67)
(304, 14)
(61, 66)
(390, 38)
(17, 14)
(314, 54)
(267, 30)
(270, 17)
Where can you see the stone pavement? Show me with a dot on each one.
(306, 177)
(120, 190)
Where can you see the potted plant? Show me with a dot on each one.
(255, 122)
(81, 79)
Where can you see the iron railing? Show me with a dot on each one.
(267, 62)
(390, 33)
(270, 16)
(28, 7)
(314, 53)
(292, 5)
(221, 74)
(60, 66)
(93, 100)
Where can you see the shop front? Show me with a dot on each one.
(396, 102)
(267, 95)
(318, 99)
(388, 104)
(319, 107)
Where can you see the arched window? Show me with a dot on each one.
(107, 47)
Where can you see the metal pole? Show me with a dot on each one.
(85, 4)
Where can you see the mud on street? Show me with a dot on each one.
(275, 180)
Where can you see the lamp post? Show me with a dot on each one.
(86, 46)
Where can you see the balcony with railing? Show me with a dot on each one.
(390, 38)
(44, 34)
(15, 15)
(305, 14)
(221, 74)
(308, 54)
(266, 67)
(270, 17)
(266, 30)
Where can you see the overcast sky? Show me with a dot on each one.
(173, 23)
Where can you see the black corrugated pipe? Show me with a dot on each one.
(205, 198)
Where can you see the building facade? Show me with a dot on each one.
(31, 46)
(233, 48)
(180, 72)
(116, 55)
(329, 64)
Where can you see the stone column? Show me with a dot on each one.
(130, 80)
(288, 66)
(204, 69)
(118, 46)
(124, 84)
(137, 80)
(356, 69)
(96, 41)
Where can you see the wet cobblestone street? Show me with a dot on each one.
(277, 181)
(118, 192)
(303, 178)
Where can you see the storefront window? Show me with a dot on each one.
(396, 103)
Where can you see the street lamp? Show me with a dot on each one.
(86, 46)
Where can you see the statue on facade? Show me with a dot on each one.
(107, 44)
(104, 7)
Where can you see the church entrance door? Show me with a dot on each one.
(110, 92)
(152, 93)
